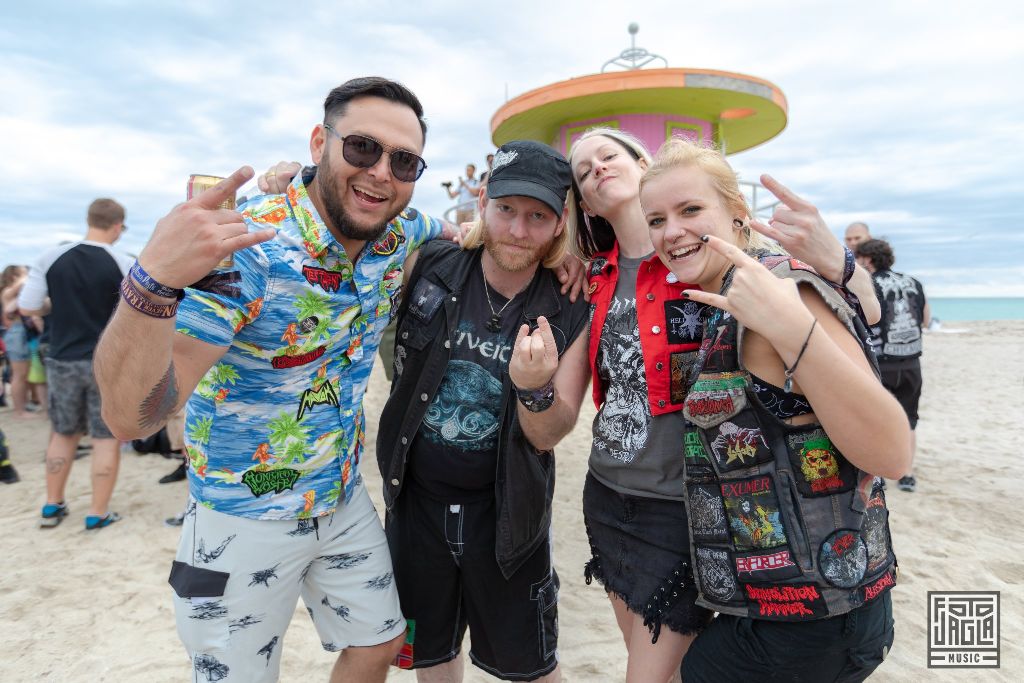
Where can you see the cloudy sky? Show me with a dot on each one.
(902, 113)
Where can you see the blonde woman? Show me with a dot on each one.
(787, 430)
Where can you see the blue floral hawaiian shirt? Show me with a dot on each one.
(274, 430)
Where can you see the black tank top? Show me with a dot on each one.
(778, 402)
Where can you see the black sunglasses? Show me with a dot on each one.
(364, 152)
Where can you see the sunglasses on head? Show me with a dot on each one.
(364, 152)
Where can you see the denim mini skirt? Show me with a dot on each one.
(640, 551)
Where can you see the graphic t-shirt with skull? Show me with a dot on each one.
(633, 452)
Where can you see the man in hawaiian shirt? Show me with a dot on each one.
(278, 349)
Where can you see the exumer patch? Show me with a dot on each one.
(753, 510)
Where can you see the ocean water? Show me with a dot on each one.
(996, 308)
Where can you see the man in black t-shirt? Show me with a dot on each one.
(477, 404)
(897, 336)
(77, 284)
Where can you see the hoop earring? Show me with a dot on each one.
(737, 224)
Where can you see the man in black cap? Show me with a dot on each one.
(479, 400)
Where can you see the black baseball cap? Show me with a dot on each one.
(524, 168)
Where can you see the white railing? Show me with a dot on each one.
(449, 213)
(754, 193)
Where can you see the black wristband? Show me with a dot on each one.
(849, 266)
(134, 297)
(537, 400)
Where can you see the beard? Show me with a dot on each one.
(514, 260)
(334, 210)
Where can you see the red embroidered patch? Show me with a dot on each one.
(880, 585)
(329, 280)
(283, 362)
(802, 601)
(388, 245)
(760, 563)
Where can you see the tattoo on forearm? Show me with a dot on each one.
(161, 400)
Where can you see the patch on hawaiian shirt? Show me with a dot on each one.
(277, 480)
(389, 243)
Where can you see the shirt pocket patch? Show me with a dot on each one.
(426, 299)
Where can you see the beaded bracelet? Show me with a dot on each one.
(135, 298)
(152, 286)
(537, 400)
(788, 385)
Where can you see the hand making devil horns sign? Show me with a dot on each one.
(797, 225)
(196, 235)
(534, 356)
(761, 301)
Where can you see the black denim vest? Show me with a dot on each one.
(427, 324)
(783, 527)
(899, 330)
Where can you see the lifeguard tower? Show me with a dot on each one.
(730, 110)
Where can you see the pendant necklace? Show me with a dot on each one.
(494, 324)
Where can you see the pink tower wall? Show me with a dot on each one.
(652, 129)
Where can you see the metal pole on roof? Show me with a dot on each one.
(633, 57)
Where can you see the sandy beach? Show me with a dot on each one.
(77, 606)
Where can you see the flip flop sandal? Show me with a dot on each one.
(95, 522)
(53, 515)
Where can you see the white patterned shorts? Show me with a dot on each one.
(237, 581)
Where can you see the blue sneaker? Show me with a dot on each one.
(96, 522)
(53, 515)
